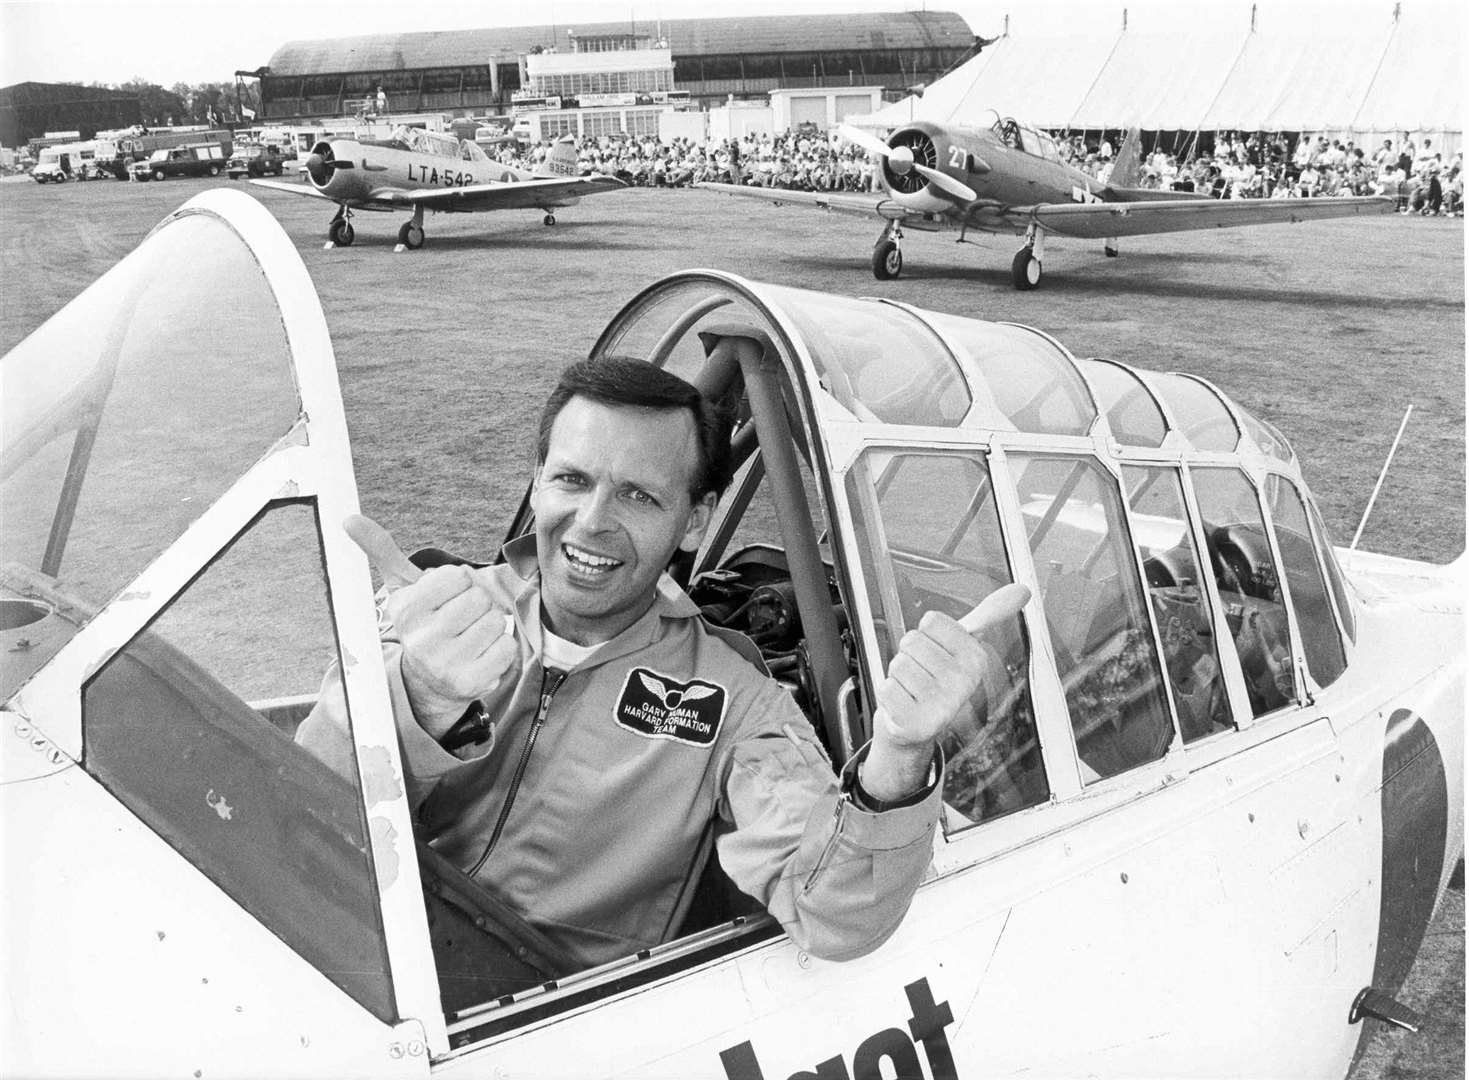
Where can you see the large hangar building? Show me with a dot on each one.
(473, 72)
(30, 109)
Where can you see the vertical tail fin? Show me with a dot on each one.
(561, 159)
(1127, 165)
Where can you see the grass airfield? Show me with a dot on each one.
(1328, 330)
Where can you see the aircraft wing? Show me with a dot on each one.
(294, 188)
(848, 202)
(508, 196)
(842, 202)
(1104, 220)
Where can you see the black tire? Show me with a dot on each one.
(214, 170)
(158, 175)
(1025, 270)
(887, 260)
(341, 232)
(411, 236)
(549, 219)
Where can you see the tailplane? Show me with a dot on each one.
(561, 159)
(1127, 166)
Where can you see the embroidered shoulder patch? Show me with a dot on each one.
(658, 707)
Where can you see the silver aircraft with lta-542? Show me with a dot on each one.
(1195, 825)
(1008, 177)
(422, 170)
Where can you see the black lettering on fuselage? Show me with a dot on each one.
(890, 1044)
(427, 174)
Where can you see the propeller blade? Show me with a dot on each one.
(945, 182)
(871, 143)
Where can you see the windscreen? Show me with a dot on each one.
(127, 414)
(127, 417)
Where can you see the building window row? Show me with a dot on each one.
(604, 82)
(861, 62)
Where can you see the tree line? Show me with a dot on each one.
(191, 103)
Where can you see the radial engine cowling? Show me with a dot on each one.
(910, 146)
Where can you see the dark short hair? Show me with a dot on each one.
(627, 381)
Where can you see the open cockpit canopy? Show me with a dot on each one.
(941, 457)
(439, 144)
(173, 441)
(1019, 135)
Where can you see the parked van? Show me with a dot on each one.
(65, 161)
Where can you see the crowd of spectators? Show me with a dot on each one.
(801, 160)
(1236, 166)
(1263, 166)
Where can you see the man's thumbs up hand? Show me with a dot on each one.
(458, 643)
(939, 666)
(382, 551)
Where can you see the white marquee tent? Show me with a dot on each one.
(1375, 78)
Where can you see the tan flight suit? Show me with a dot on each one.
(665, 736)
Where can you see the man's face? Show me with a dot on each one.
(612, 506)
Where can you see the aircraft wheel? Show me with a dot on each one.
(341, 232)
(158, 174)
(1025, 271)
(549, 219)
(410, 236)
(887, 260)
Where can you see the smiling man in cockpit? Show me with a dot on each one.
(576, 736)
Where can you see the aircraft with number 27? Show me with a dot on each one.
(1194, 826)
(422, 170)
(1009, 177)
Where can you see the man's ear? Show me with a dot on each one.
(700, 515)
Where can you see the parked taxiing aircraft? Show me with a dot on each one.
(424, 170)
(1010, 178)
(1194, 826)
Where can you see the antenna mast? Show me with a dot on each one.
(1380, 478)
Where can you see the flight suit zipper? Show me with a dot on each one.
(551, 680)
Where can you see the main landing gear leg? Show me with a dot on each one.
(887, 255)
(1109, 248)
(340, 231)
(1025, 270)
(411, 234)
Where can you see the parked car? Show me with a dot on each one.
(198, 159)
(256, 161)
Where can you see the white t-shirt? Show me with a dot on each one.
(557, 652)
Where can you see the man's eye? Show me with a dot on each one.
(641, 497)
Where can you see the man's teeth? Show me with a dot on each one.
(587, 560)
